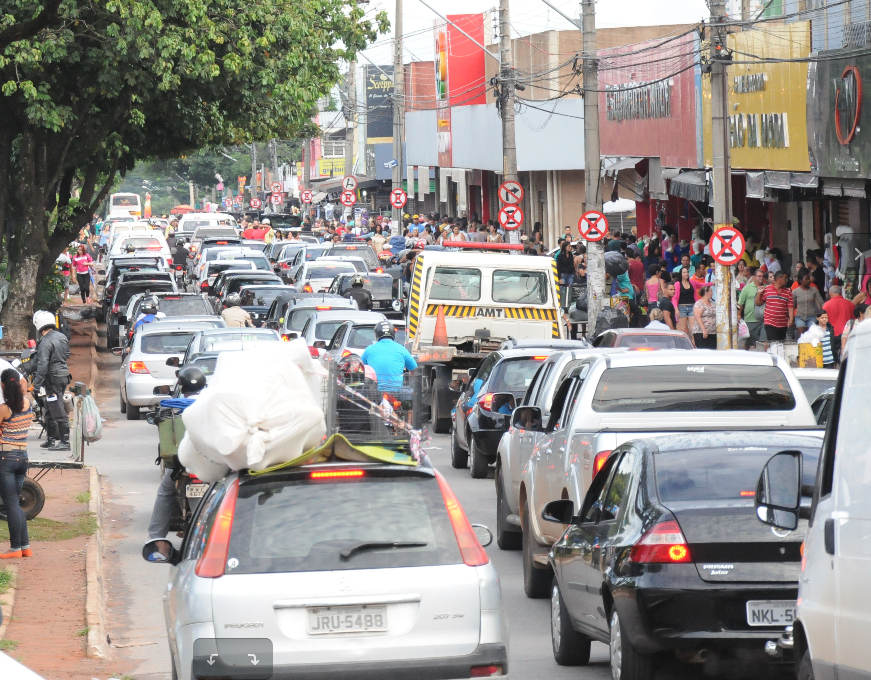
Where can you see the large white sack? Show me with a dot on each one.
(207, 470)
(260, 408)
(813, 335)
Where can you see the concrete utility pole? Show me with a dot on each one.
(253, 169)
(727, 323)
(592, 164)
(350, 117)
(398, 111)
(506, 98)
(306, 170)
(273, 158)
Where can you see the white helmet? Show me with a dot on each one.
(266, 221)
(43, 319)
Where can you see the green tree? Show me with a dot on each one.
(89, 87)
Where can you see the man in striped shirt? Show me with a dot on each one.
(779, 310)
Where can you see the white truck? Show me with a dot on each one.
(486, 298)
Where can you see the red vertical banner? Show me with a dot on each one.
(465, 60)
(259, 183)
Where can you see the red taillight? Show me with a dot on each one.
(323, 307)
(539, 358)
(307, 288)
(599, 461)
(204, 285)
(137, 367)
(346, 353)
(314, 352)
(485, 671)
(31, 344)
(178, 267)
(116, 308)
(284, 265)
(486, 401)
(337, 474)
(470, 548)
(663, 544)
(130, 333)
(285, 338)
(379, 270)
(211, 564)
(194, 478)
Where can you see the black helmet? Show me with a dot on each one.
(357, 281)
(384, 329)
(191, 379)
(233, 300)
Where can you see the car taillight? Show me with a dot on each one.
(204, 285)
(346, 353)
(116, 309)
(178, 267)
(337, 474)
(486, 401)
(307, 288)
(323, 307)
(663, 544)
(314, 352)
(284, 265)
(130, 333)
(473, 553)
(485, 671)
(211, 564)
(285, 338)
(599, 461)
(379, 271)
(137, 367)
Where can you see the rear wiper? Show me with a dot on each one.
(351, 550)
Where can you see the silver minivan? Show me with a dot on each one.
(336, 571)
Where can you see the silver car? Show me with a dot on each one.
(353, 337)
(340, 571)
(314, 277)
(322, 325)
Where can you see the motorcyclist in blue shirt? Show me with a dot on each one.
(387, 357)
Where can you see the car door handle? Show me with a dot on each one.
(829, 536)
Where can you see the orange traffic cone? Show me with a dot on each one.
(440, 335)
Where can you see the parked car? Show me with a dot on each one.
(353, 337)
(622, 396)
(116, 320)
(210, 272)
(363, 250)
(298, 313)
(314, 277)
(431, 596)
(385, 290)
(256, 300)
(358, 262)
(483, 410)
(231, 281)
(643, 338)
(322, 324)
(665, 554)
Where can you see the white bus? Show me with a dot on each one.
(121, 205)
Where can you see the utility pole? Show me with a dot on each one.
(253, 169)
(506, 106)
(398, 111)
(273, 158)
(727, 332)
(350, 117)
(592, 163)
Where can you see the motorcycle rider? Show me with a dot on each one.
(233, 314)
(360, 295)
(147, 313)
(51, 379)
(387, 357)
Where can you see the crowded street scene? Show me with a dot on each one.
(384, 340)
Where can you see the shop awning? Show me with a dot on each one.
(775, 179)
(615, 163)
(852, 188)
(691, 185)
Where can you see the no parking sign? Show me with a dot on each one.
(727, 246)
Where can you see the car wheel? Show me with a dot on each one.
(570, 648)
(132, 412)
(507, 537)
(536, 583)
(123, 404)
(805, 668)
(627, 663)
(478, 463)
(459, 458)
(440, 423)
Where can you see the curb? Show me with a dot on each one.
(9, 601)
(94, 339)
(95, 600)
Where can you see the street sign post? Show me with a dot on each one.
(348, 198)
(255, 203)
(593, 226)
(398, 198)
(276, 199)
(727, 246)
(349, 183)
(276, 187)
(306, 196)
(510, 192)
(510, 217)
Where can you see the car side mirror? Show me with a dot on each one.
(778, 492)
(560, 512)
(273, 325)
(527, 418)
(173, 361)
(503, 402)
(292, 335)
(320, 344)
(160, 551)
(118, 351)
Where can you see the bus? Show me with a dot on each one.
(121, 205)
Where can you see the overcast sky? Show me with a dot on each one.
(527, 16)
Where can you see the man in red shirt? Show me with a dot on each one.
(636, 272)
(840, 310)
(779, 309)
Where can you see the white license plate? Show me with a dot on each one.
(325, 620)
(196, 490)
(771, 612)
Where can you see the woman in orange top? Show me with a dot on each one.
(16, 415)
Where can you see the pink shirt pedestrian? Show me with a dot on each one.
(81, 262)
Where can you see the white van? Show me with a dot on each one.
(830, 635)
(189, 223)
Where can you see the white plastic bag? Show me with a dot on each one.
(813, 335)
(743, 331)
(195, 462)
(92, 424)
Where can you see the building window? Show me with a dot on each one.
(333, 146)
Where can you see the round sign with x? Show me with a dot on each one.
(593, 225)
(727, 246)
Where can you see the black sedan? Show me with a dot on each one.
(666, 556)
(256, 300)
(485, 404)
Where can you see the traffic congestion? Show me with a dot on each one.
(312, 390)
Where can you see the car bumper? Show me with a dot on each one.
(140, 389)
(420, 669)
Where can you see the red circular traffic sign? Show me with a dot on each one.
(348, 198)
(510, 192)
(255, 203)
(276, 187)
(276, 199)
(593, 226)
(510, 217)
(727, 246)
(398, 198)
(306, 196)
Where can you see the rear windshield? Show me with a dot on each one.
(222, 265)
(693, 387)
(329, 271)
(454, 283)
(122, 297)
(514, 375)
(365, 252)
(261, 296)
(141, 242)
(327, 329)
(183, 306)
(814, 388)
(206, 232)
(519, 287)
(166, 343)
(213, 338)
(381, 287)
(304, 526)
(237, 284)
(654, 341)
(257, 246)
(718, 474)
(296, 319)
